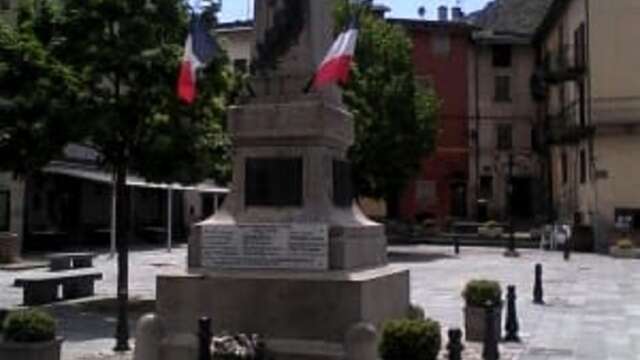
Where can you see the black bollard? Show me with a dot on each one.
(537, 286)
(455, 346)
(204, 335)
(490, 349)
(456, 245)
(567, 250)
(511, 326)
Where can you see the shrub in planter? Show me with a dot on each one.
(478, 294)
(416, 312)
(410, 340)
(625, 244)
(30, 335)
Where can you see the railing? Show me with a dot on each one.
(566, 126)
(564, 63)
(615, 111)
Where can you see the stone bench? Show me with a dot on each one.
(68, 261)
(43, 289)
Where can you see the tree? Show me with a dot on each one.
(121, 58)
(394, 116)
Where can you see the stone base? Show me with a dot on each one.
(301, 315)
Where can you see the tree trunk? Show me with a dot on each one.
(122, 245)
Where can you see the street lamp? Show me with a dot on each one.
(511, 245)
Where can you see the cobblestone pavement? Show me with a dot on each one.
(592, 309)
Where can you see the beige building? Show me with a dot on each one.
(503, 164)
(592, 112)
(237, 39)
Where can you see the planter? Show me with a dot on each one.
(490, 232)
(475, 322)
(9, 248)
(624, 253)
(31, 351)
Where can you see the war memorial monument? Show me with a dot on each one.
(290, 255)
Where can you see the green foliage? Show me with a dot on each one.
(410, 340)
(103, 73)
(479, 292)
(37, 96)
(625, 244)
(416, 312)
(395, 118)
(29, 326)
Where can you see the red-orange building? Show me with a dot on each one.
(440, 54)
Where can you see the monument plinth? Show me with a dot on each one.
(290, 255)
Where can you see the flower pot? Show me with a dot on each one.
(49, 350)
(9, 248)
(475, 319)
(624, 253)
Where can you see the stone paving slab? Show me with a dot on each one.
(592, 309)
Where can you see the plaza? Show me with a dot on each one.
(592, 309)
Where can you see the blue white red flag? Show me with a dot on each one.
(199, 49)
(336, 66)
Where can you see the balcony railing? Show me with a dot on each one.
(567, 127)
(615, 111)
(565, 63)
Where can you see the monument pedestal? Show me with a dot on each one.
(304, 315)
(290, 256)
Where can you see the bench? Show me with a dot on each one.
(43, 289)
(67, 261)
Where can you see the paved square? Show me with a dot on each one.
(592, 309)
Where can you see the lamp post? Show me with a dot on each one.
(511, 245)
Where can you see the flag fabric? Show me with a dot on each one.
(199, 49)
(336, 65)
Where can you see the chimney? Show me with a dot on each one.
(456, 13)
(443, 13)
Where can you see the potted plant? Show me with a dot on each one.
(30, 335)
(490, 229)
(624, 249)
(478, 296)
(410, 339)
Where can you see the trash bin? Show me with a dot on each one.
(9, 248)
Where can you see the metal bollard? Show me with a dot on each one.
(511, 325)
(455, 346)
(490, 349)
(537, 286)
(567, 250)
(204, 336)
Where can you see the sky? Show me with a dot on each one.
(239, 9)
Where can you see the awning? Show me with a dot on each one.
(99, 176)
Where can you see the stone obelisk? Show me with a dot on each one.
(289, 255)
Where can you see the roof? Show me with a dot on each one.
(99, 176)
(452, 26)
(511, 16)
(553, 13)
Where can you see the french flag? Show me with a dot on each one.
(336, 66)
(199, 49)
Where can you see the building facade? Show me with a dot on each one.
(503, 164)
(592, 112)
(440, 56)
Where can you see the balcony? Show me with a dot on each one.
(567, 63)
(568, 126)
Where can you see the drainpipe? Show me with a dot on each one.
(477, 125)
